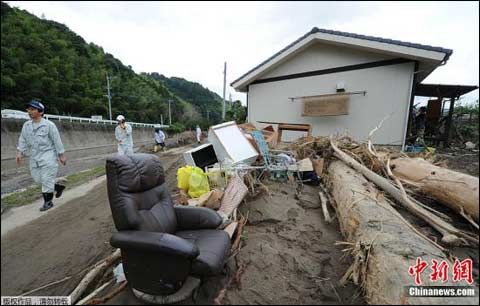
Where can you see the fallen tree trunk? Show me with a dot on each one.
(451, 235)
(382, 243)
(454, 189)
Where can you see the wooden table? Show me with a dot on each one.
(299, 127)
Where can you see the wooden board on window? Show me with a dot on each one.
(434, 109)
(325, 106)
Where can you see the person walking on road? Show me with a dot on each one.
(123, 134)
(159, 139)
(42, 138)
(199, 133)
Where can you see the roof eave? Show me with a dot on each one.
(433, 55)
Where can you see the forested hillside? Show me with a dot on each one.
(44, 59)
(207, 102)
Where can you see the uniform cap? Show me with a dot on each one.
(37, 105)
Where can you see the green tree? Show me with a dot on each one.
(237, 112)
(44, 59)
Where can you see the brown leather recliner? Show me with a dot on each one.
(161, 244)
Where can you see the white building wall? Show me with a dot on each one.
(323, 56)
(388, 93)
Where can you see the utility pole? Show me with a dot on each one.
(161, 119)
(224, 84)
(109, 97)
(169, 111)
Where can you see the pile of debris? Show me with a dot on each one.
(366, 187)
(370, 189)
(231, 167)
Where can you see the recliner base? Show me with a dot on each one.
(183, 293)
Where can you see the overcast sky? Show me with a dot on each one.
(192, 40)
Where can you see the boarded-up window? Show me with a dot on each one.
(434, 109)
(325, 106)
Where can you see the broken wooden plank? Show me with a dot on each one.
(305, 165)
(318, 166)
(323, 199)
(230, 229)
(233, 196)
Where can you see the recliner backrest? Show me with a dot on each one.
(138, 197)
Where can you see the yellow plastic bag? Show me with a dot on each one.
(197, 183)
(183, 175)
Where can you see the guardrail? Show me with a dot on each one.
(15, 114)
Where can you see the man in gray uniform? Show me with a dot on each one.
(123, 134)
(42, 138)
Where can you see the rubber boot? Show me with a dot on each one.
(58, 190)
(42, 208)
(47, 197)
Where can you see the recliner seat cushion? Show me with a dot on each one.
(214, 246)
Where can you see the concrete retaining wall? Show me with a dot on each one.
(79, 139)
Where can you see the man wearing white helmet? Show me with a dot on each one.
(123, 134)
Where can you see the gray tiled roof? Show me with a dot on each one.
(447, 52)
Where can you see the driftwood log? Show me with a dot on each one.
(92, 274)
(382, 243)
(451, 235)
(454, 189)
(102, 300)
(86, 299)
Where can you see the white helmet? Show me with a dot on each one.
(120, 118)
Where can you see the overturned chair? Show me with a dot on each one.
(166, 250)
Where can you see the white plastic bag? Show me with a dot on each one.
(118, 273)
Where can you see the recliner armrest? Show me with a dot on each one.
(191, 218)
(154, 242)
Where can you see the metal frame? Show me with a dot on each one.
(363, 92)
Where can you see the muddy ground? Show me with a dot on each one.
(463, 160)
(59, 244)
(289, 252)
